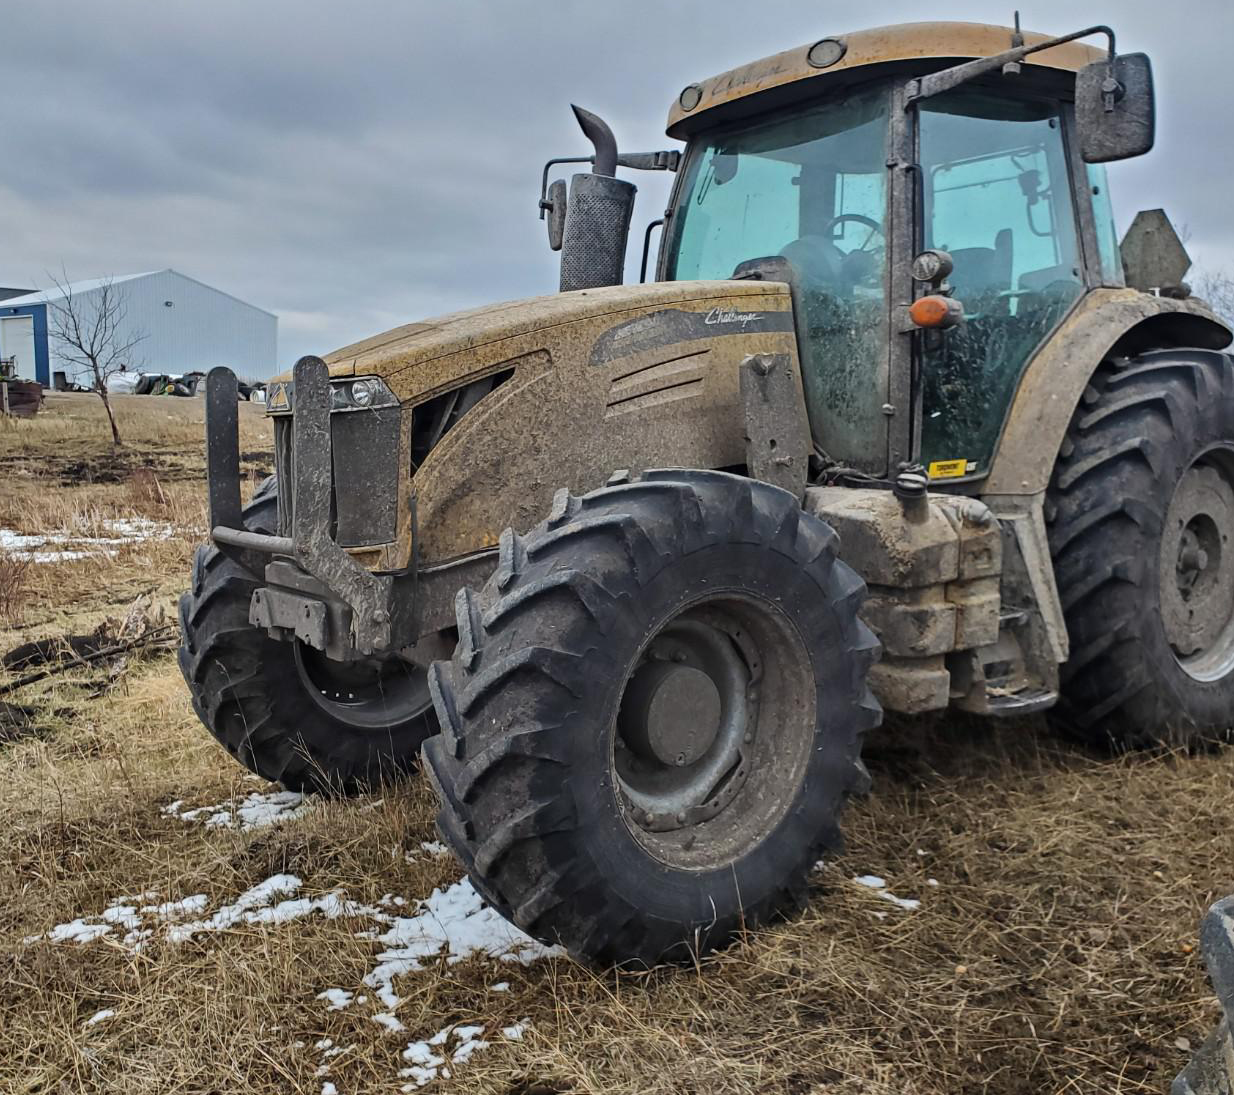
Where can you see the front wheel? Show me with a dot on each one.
(654, 715)
(281, 708)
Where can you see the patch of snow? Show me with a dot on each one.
(247, 906)
(99, 1017)
(427, 1059)
(125, 916)
(325, 1043)
(879, 886)
(68, 545)
(255, 906)
(256, 811)
(456, 923)
(338, 998)
(173, 910)
(432, 848)
(932, 882)
(388, 1021)
(466, 1049)
(328, 1089)
(501, 986)
(76, 931)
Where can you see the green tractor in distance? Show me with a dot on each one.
(622, 559)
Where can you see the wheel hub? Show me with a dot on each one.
(671, 713)
(682, 725)
(368, 694)
(1197, 568)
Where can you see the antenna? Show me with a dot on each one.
(1012, 68)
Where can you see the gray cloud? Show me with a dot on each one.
(354, 166)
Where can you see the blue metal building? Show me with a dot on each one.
(184, 325)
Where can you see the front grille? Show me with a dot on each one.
(366, 469)
(364, 491)
(365, 449)
(284, 470)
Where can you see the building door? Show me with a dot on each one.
(17, 342)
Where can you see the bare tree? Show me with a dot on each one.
(90, 332)
(1216, 289)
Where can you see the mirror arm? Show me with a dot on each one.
(937, 82)
(668, 160)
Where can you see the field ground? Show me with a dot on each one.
(1052, 949)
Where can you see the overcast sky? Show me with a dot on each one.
(353, 166)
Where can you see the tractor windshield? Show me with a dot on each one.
(811, 187)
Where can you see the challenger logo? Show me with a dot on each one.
(673, 325)
(731, 315)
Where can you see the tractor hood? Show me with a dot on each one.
(501, 406)
(421, 359)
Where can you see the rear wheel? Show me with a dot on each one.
(654, 715)
(283, 709)
(1141, 521)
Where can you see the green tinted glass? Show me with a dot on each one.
(1107, 237)
(997, 197)
(810, 187)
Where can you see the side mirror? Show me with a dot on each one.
(1114, 108)
(555, 206)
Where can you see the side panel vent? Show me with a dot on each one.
(434, 418)
(660, 382)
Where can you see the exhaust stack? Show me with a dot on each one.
(598, 214)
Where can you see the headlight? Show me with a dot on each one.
(362, 394)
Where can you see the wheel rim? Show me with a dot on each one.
(367, 694)
(1197, 567)
(713, 731)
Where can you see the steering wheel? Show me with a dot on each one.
(860, 266)
(855, 218)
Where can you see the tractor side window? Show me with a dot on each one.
(1107, 237)
(810, 187)
(997, 196)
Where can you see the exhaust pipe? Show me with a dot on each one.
(598, 214)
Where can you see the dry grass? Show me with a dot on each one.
(1054, 955)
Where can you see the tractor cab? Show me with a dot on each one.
(865, 151)
(877, 168)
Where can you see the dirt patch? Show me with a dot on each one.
(16, 721)
(63, 648)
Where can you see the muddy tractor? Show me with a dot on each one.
(619, 562)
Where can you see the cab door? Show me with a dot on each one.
(996, 193)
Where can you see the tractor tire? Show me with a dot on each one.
(1140, 514)
(653, 716)
(279, 707)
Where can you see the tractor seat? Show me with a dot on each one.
(982, 271)
(817, 260)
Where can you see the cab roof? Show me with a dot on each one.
(904, 42)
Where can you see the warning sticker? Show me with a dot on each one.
(947, 469)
